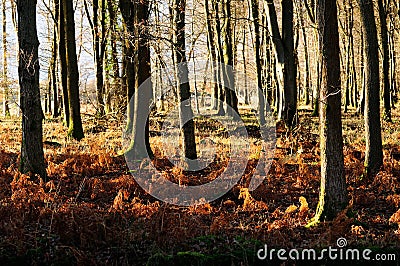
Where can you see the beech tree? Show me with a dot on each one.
(227, 50)
(285, 61)
(63, 58)
(385, 61)
(333, 193)
(185, 110)
(32, 156)
(136, 18)
(373, 149)
(75, 129)
(99, 45)
(257, 47)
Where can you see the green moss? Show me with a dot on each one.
(241, 251)
(160, 259)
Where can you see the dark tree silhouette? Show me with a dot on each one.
(373, 149)
(32, 157)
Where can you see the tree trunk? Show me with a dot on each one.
(290, 74)
(285, 61)
(98, 40)
(361, 105)
(227, 49)
(63, 60)
(129, 47)
(257, 47)
(279, 52)
(53, 76)
(307, 85)
(385, 61)
(185, 111)
(32, 156)
(373, 151)
(6, 108)
(115, 91)
(75, 129)
(393, 66)
(139, 76)
(245, 88)
(333, 194)
(213, 56)
(221, 79)
(354, 96)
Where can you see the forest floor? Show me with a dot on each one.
(92, 212)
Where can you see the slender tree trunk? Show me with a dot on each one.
(285, 61)
(361, 105)
(353, 72)
(53, 69)
(63, 60)
(307, 85)
(385, 61)
(54, 77)
(373, 151)
(290, 87)
(317, 90)
(6, 108)
(213, 55)
(333, 194)
(257, 47)
(230, 92)
(348, 59)
(245, 88)
(32, 156)
(52, 86)
(75, 129)
(115, 88)
(129, 59)
(98, 36)
(392, 67)
(221, 79)
(279, 52)
(185, 111)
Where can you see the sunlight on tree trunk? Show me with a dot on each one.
(32, 156)
(75, 129)
(333, 193)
